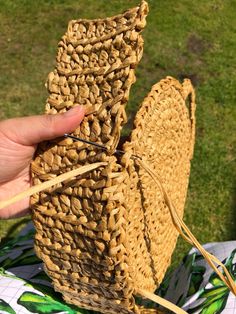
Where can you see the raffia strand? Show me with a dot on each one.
(47, 184)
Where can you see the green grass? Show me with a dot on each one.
(195, 39)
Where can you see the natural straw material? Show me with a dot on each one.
(108, 234)
(163, 136)
(50, 183)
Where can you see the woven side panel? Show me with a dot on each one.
(164, 137)
(81, 224)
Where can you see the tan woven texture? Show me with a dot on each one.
(108, 233)
(163, 137)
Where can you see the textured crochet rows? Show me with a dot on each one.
(108, 233)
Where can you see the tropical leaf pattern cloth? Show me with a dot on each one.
(194, 286)
(25, 288)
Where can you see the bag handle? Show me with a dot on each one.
(189, 92)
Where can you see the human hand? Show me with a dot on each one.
(18, 141)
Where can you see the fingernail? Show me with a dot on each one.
(74, 111)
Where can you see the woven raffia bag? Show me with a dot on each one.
(107, 229)
(109, 233)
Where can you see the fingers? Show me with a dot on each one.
(15, 211)
(34, 129)
(10, 189)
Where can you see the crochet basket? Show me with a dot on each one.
(108, 233)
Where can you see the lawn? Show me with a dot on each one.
(194, 39)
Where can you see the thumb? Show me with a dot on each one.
(35, 129)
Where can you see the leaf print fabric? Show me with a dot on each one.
(36, 303)
(5, 307)
(25, 288)
(196, 288)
